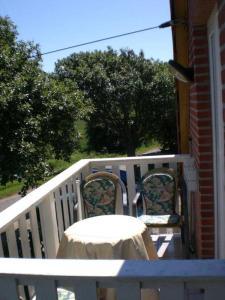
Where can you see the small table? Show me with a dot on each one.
(108, 237)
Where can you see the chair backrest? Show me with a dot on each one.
(102, 194)
(159, 191)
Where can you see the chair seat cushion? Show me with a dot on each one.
(160, 220)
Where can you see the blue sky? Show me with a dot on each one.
(56, 24)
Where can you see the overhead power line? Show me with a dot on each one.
(166, 24)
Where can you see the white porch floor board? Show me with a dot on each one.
(168, 245)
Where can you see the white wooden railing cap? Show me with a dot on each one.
(141, 269)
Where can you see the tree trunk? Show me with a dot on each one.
(130, 148)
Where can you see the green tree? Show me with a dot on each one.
(37, 113)
(164, 96)
(128, 94)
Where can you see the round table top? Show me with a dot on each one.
(106, 228)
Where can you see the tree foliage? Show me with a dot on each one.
(164, 95)
(130, 95)
(37, 114)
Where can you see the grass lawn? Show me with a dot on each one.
(60, 165)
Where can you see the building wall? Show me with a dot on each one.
(203, 201)
(201, 141)
(201, 128)
(199, 109)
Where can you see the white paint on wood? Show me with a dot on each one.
(13, 251)
(24, 237)
(80, 206)
(1, 248)
(144, 169)
(171, 278)
(49, 226)
(11, 240)
(45, 290)
(85, 291)
(173, 166)
(35, 233)
(128, 291)
(171, 291)
(24, 205)
(71, 196)
(85, 171)
(116, 170)
(59, 213)
(214, 291)
(157, 165)
(8, 288)
(140, 159)
(131, 187)
(65, 207)
(167, 275)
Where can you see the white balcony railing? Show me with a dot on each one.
(180, 280)
(32, 228)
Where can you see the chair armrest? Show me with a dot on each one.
(134, 204)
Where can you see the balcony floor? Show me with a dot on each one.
(168, 243)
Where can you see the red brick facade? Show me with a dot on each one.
(200, 120)
(201, 141)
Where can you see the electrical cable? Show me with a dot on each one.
(107, 38)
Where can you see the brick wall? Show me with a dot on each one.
(201, 141)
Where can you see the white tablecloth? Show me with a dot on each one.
(108, 237)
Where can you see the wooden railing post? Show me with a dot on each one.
(49, 226)
(130, 186)
(80, 205)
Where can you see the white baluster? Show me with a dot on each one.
(49, 226)
(65, 206)
(24, 237)
(59, 212)
(1, 248)
(11, 240)
(8, 288)
(214, 291)
(144, 169)
(116, 170)
(71, 201)
(45, 290)
(79, 201)
(172, 291)
(130, 186)
(86, 291)
(129, 291)
(35, 233)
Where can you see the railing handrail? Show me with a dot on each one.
(169, 270)
(149, 159)
(23, 205)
